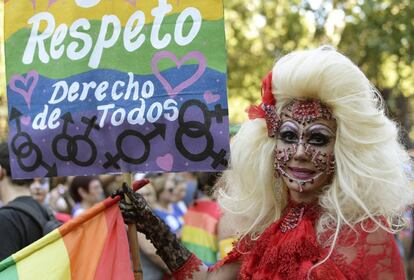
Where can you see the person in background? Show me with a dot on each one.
(111, 182)
(39, 189)
(148, 193)
(201, 220)
(191, 187)
(165, 206)
(60, 200)
(152, 265)
(86, 191)
(180, 191)
(17, 229)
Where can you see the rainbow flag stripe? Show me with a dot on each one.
(200, 230)
(92, 246)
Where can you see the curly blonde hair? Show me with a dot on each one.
(369, 180)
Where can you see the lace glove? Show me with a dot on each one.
(176, 256)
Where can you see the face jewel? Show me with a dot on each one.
(305, 111)
(272, 119)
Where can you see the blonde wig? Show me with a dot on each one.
(369, 180)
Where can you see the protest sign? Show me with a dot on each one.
(102, 86)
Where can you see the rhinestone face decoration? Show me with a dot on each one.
(272, 119)
(304, 112)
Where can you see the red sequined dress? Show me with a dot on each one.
(288, 249)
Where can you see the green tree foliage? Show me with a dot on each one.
(377, 35)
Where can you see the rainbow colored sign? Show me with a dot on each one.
(104, 86)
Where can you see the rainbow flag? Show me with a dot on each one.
(200, 230)
(92, 246)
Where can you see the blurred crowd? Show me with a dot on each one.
(185, 201)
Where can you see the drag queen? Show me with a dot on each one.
(316, 178)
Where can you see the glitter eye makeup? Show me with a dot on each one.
(316, 135)
(289, 133)
(289, 137)
(319, 135)
(318, 139)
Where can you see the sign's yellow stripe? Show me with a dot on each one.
(18, 12)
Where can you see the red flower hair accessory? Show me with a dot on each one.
(267, 108)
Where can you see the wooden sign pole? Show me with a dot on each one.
(133, 239)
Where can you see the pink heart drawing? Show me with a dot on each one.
(165, 162)
(25, 120)
(166, 54)
(26, 86)
(210, 97)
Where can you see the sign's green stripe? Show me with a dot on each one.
(210, 37)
